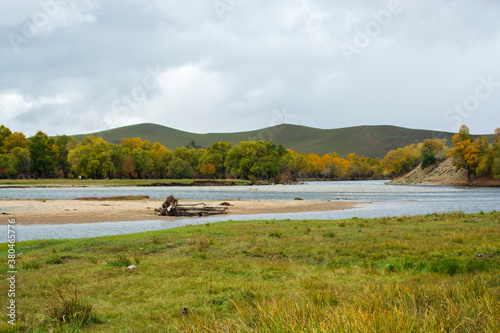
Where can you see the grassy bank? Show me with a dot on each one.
(412, 274)
(117, 182)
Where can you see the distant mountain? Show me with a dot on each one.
(370, 141)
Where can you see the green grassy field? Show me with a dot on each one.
(371, 141)
(111, 182)
(408, 274)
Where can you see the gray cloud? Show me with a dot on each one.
(84, 70)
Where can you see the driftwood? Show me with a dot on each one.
(171, 207)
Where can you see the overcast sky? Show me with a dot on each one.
(69, 67)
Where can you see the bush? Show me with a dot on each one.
(428, 158)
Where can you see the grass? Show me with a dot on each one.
(69, 312)
(406, 274)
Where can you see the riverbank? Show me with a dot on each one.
(64, 182)
(42, 211)
(437, 272)
(443, 174)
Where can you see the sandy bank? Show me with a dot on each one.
(79, 211)
(443, 174)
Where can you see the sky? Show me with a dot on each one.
(71, 67)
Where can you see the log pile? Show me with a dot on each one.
(171, 207)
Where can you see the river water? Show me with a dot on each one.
(386, 200)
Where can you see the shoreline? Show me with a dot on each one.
(62, 211)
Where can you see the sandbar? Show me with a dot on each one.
(26, 211)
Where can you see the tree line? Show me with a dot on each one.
(65, 157)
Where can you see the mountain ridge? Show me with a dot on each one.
(368, 140)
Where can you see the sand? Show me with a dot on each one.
(79, 211)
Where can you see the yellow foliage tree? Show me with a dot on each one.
(207, 170)
(467, 153)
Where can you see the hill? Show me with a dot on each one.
(370, 141)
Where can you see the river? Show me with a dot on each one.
(386, 200)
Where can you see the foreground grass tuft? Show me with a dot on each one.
(70, 309)
(120, 260)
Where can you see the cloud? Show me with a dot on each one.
(228, 73)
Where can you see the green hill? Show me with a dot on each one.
(371, 141)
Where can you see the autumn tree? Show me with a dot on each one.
(494, 156)
(468, 153)
(208, 170)
(314, 165)
(132, 143)
(360, 167)
(161, 156)
(4, 132)
(15, 140)
(402, 160)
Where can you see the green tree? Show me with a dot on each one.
(20, 160)
(92, 158)
(122, 161)
(179, 169)
(142, 161)
(428, 158)
(254, 159)
(64, 143)
(6, 168)
(293, 166)
(43, 153)
(191, 155)
(216, 155)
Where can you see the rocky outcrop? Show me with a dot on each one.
(444, 174)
